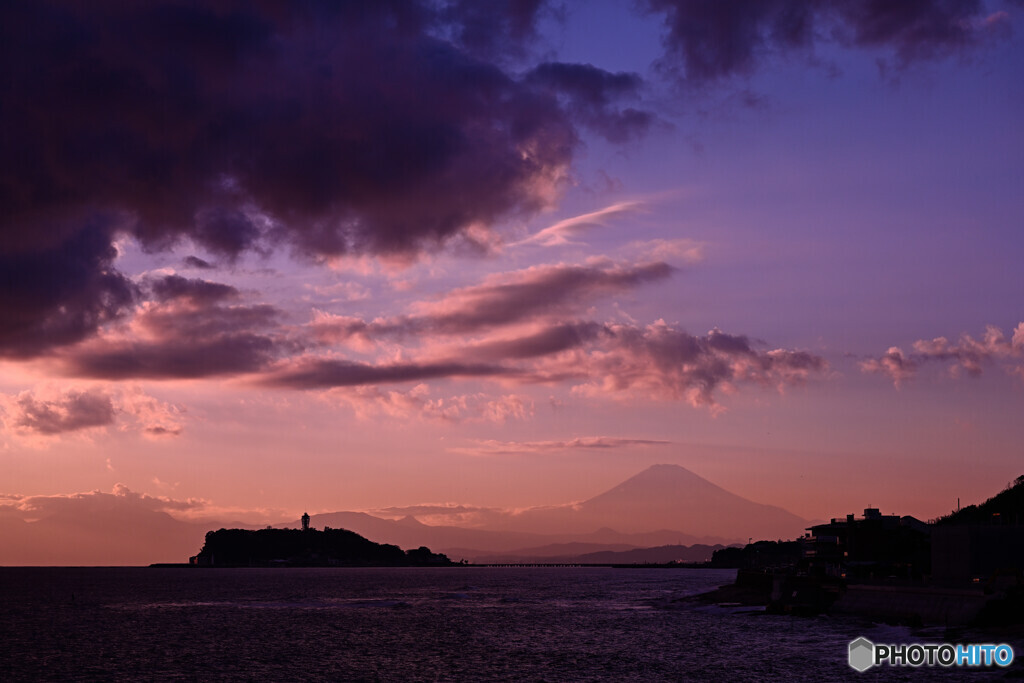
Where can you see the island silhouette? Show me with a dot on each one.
(307, 547)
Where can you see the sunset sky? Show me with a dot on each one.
(258, 258)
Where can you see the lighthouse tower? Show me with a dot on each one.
(305, 521)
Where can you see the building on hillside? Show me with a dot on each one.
(874, 546)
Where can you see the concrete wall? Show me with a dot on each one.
(944, 607)
(963, 552)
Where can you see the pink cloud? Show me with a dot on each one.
(893, 363)
(419, 403)
(661, 361)
(968, 355)
(548, 292)
(561, 232)
(72, 411)
(120, 497)
(49, 413)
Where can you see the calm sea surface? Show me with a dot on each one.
(451, 624)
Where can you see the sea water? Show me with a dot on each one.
(417, 624)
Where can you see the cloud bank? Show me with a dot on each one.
(330, 128)
(526, 328)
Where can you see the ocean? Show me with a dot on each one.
(420, 624)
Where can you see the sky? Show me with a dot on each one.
(258, 258)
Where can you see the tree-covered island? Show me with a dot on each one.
(307, 548)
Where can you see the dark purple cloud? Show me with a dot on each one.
(60, 291)
(716, 39)
(914, 29)
(592, 94)
(495, 28)
(197, 263)
(548, 341)
(333, 127)
(226, 354)
(188, 331)
(71, 412)
(349, 125)
(190, 323)
(325, 373)
(198, 291)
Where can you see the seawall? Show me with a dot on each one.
(912, 604)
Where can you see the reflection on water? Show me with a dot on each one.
(411, 624)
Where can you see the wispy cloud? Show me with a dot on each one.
(564, 230)
(504, 299)
(679, 250)
(448, 514)
(583, 443)
(370, 402)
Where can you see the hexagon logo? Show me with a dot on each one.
(862, 654)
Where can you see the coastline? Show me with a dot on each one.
(912, 605)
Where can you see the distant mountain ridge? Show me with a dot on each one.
(665, 505)
(656, 555)
(662, 506)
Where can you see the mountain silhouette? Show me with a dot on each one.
(670, 496)
(665, 497)
(663, 505)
